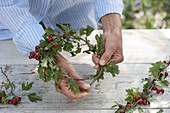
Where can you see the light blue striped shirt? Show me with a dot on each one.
(19, 19)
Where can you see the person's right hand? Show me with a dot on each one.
(63, 84)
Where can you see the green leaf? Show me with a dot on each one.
(49, 31)
(131, 93)
(6, 85)
(129, 110)
(100, 45)
(165, 83)
(148, 83)
(4, 100)
(156, 68)
(73, 86)
(89, 30)
(33, 97)
(78, 50)
(43, 43)
(160, 111)
(116, 104)
(68, 46)
(64, 27)
(112, 68)
(27, 86)
(41, 72)
(49, 74)
(44, 62)
(82, 31)
(140, 110)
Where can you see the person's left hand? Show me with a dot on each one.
(112, 37)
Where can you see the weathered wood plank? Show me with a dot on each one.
(81, 68)
(71, 111)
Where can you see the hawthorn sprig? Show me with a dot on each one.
(71, 41)
(152, 84)
(7, 95)
(6, 91)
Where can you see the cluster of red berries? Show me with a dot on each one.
(37, 49)
(141, 101)
(34, 55)
(10, 101)
(50, 39)
(158, 91)
(161, 74)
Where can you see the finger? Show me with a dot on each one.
(81, 84)
(118, 58)
(70, 94)
(106, 55)
(95, 59)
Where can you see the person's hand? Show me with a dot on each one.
(112, 36)
(63, 84)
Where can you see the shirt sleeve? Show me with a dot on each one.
(103, 7)
(16, 17)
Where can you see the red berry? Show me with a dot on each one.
(154, 88)
(120, 106)
(136, 99)
(3, 92)
(18, 99)
(56, 45)
(32, 55)
(38, 57)
(161, 75)
(128, 105)
(141, 102)
(145, 101)
(10, 101)
(166, 73)
(158, 91)
(37, 48)
(162, 91)
(50, 39)
(0, 97)
(14, 102)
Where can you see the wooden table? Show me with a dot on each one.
(141, 47)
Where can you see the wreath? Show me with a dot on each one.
(72, 41)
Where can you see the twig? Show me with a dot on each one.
(98, 75)
(8, 81)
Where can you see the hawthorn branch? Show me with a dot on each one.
(11, 92)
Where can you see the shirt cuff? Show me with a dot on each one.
(28, 37)
(103, 7)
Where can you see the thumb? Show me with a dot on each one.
(106, 56)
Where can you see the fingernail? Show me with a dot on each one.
(86, 86)
(85, 93)
(96, 66)
(102, 62)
